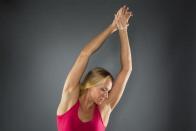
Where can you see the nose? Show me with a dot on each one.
(106, 95)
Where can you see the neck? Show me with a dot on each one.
(86, 102)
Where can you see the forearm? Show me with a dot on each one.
(97, 41)
(125, 51)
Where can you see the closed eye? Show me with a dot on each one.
(105, 89)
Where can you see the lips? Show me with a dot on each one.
(101, 100)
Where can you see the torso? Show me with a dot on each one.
(87, 116)
(104, 109)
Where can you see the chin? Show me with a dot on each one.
(99, 102)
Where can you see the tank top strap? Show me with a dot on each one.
(98, 116)
(70, 121)
(76, 106)
(73, 109)
(97, 113)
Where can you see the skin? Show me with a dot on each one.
(96, 95)
(121, 20)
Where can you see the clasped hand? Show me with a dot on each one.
(121, 20)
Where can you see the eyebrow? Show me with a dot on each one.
(107, 89)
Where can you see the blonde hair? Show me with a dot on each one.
(93, 77)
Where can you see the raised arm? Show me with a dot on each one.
(78, 68)
(70, 89)
(125, 55)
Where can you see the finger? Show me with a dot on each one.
(124, 10)
(131, 13)
(128, 18)
(117, 15)
(127, 13)
(120, 11)
(118, 23)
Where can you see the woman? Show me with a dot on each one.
(87, 106)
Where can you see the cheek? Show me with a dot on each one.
(101, 94)
(96, 94)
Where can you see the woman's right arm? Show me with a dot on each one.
(73, 78)
(70, 91)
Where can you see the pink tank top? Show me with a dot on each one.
(69, 121)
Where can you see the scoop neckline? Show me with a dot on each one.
(91, 118)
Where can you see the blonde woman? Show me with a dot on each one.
(87, 106)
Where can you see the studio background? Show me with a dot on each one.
(40, 41)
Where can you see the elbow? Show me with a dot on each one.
(127, 68)
(127, 64)
(85, 53)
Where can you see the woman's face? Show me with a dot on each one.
(101, 91)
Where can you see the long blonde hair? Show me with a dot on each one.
(93, 77)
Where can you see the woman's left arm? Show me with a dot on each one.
(125, 53)
(124, 73)
(126, 66)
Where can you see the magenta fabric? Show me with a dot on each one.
(69, 121)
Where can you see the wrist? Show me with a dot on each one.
(122, 29)
(112, 28)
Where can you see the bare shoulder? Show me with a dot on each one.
(67, 101)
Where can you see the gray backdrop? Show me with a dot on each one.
(40, 41)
